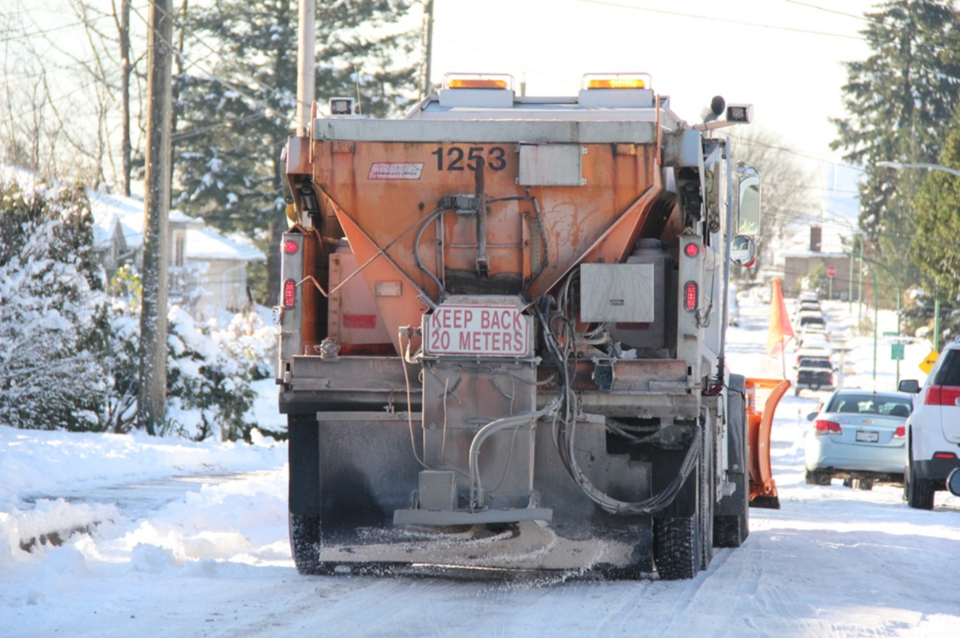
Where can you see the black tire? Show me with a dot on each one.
(863, 484)
(732, 530)
(796, 390)
(303, 449)
(305, 544)
(676, 547)
(920, 492)
(681, 548)
(817, 477)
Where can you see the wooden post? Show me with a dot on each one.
(153, 315)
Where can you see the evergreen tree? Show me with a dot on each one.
(53, 311)
(899, 100)
(935, 246)
(231, 128)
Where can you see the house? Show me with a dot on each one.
(207, 269)
(823, 239)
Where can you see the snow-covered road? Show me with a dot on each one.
(191, 540)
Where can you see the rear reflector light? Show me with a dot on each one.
(691, 250)
(900, 432)
(823, 427)
(942, 395)
(944, 455)
(290, 246)
(289, 293)
(690, 296)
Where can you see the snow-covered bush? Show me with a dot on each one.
(209, 373)
(210, 366)
(53, 310)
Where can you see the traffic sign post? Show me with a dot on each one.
(831, 273)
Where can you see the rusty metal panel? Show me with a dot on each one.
(352, 313)
(551, 165)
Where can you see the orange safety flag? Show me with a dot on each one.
(780, 331)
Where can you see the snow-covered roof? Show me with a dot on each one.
(201, 242)
(204, 243)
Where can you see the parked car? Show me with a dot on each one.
(809, 306)
(808, 318)
(815, 373)
(933, 429)
(858, 436)
(814, 332)
(812, 352)
(808, 296)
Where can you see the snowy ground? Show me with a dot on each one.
(185, 539)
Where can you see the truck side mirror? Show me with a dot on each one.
(743, 250)
(909, 385)
(748, 215)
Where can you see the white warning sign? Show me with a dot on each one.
(482, 330)
(395, 170)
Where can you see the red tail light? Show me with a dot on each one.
(289, 293)
(942, 395)
(822, 427)
(944, 455)
(690, 296)
(900, 432)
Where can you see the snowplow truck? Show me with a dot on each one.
(503, 333)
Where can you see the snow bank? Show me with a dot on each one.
(39, 468)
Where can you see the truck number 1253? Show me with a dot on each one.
(496, 158)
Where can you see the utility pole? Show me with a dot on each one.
(153, 313)
(427, 47)
(306, 72)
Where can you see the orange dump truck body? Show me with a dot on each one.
(500, 314)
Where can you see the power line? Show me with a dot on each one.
(819, 8)
(715, 19)
(23, 36)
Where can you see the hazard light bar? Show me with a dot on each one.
(477, 81)
(616, 81)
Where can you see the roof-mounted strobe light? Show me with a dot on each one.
(494, 81)
(616, 81)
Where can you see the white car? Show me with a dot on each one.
(933, 429)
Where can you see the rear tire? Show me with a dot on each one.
(863, 484)
(683, 545)
(817, 477)
(305, 544)
(731, 530)
(920, 492)
(303, 449)
(676, 547)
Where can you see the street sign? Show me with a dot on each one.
(896, 351)
(831, 271)
(927, 364)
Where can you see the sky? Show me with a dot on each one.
(783, 56)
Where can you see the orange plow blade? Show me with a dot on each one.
(763, 489)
